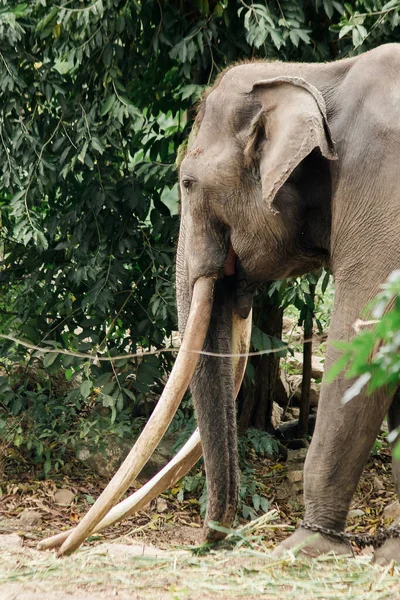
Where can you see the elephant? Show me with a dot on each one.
(289, 168)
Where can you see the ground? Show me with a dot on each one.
(152, 555)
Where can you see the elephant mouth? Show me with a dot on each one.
(230, 262)
(243, 287)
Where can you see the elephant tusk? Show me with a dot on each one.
(177, 468)
(241, 335)
(182, 372)
(183, 461)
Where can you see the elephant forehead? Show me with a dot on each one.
(211, 161)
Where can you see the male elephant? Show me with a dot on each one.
(292, 167)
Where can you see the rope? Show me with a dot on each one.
(95, 358)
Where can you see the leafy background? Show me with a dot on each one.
(96, 98)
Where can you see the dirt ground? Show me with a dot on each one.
(156, 553)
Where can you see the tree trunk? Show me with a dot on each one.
(302, 428)
(258, 396)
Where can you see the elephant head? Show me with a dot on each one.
(255, 174)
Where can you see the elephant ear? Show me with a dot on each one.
(291, 123)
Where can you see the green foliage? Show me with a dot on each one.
(252, 499)
(307, 305)
(47, 427)
(373, 356)
(96, 98)
(261, 442)
(251, 491)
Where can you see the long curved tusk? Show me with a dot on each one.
(177, 468)
(181, 374)
(183, 461)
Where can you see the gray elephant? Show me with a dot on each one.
(292, 167)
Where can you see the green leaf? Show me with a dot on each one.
(85, 388)
(391, 4)
(339, 7)
(49, 359)
(82, 153)
(345, 30)
(337, 368)
(328, 7)
(107, 105)
(63, 66)
(256, 501)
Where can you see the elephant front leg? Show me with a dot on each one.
(342, 440)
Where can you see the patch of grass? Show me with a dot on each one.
(246, 570)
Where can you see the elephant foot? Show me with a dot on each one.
(389, 551)
(216, 530)
(211, 536)
(312, 544)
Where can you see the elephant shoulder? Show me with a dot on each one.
(377, 69)
(368, 98)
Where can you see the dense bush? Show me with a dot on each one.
(95, 100)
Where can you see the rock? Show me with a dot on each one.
(64, 497)
(276, 415)
(392, 511)
(296, 444)
(105, 463)
(10, 541)
(356, 512)
(288, 324)
(284, 491)
(378, 484)
(297, 457)
(295, 476)
(121, 550)
(293, 383)
(317, 364)
(288, 429)
(117, 449)
(146, 406)
(314, 394)
(295, 464)
(162, 505)
(30, 518)
(281, 392)
(291, 414)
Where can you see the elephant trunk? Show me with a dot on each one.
(214, 399)
(217, 379)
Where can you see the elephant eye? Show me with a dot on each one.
(187, 183)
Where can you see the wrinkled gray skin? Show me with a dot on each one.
(294, 166)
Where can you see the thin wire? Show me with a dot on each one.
(359, 323)
(137, 354)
